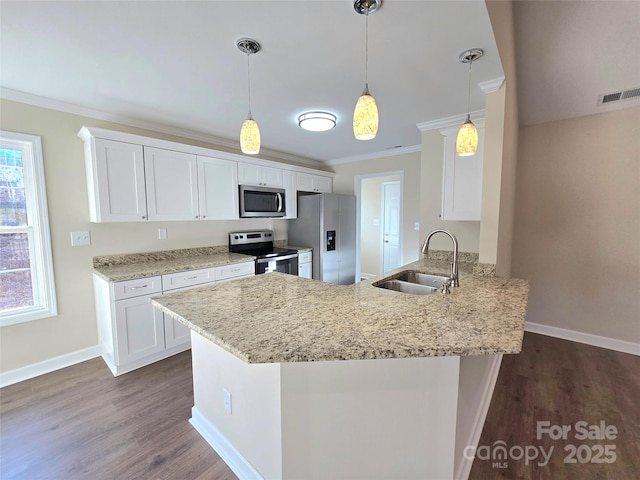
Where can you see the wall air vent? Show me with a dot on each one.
(616, 96)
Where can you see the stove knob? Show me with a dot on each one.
(235, 236)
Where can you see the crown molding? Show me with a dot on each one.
(449, 121)
(491, 86)
(372, 156)
(49, 103)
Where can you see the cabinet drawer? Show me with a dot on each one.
(172, 281)
(304, 257)
(235, 270)
(136, 288)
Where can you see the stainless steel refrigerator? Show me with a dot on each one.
(327, 223)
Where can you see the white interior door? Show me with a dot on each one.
(391, 226)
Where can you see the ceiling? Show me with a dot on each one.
(173, 66)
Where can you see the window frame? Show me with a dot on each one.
(37, 229)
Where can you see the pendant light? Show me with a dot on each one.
(365, 115)
(467, 139)
(249, 133)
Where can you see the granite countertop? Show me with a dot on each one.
(299, 249)
(140, 266)
(283, 318)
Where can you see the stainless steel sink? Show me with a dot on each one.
(413, 282)
(405, 287)
(412, 276)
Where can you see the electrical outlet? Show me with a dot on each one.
(227, 400)
(80, 238)
(416, 226)
(162, 233)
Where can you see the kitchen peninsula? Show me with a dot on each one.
(295, 378)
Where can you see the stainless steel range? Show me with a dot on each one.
(259, 243)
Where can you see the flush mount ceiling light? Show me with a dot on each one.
(365, 115)
(467, 139)
(317, 121)
(249, 133)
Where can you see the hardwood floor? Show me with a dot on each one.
(563, 383)
(82, 423)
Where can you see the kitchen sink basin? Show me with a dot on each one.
(412, 276)
(415, 283)
(406, 287)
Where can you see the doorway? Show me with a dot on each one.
(379, 223)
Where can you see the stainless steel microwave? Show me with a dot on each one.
(261, 202)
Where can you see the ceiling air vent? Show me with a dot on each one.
(623, 95)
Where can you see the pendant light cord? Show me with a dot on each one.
(249, 83)
(469, 91)
(366, 51)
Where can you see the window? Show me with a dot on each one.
(27, 290)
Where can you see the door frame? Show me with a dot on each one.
(357, 188)
(394, 182)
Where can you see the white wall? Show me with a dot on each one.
(75, 328)
(409, 163)
(577, 223)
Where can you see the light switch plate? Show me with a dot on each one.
(80, 238)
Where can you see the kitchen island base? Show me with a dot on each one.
(378, 418)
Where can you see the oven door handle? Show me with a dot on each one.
(277, 259)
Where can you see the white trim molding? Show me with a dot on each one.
(455, 120)
(47, 366)
(587, 338)
(463, 468)
(390, 152)
(491, 86)
(227, 452)
(43, 102)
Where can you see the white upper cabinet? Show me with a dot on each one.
(290, 193)
(218, 188)
(131, 178)
(462, 178)
(172, 185)
(115, 181)
(251, 174)
(307, 182)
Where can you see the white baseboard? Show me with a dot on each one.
(232, 457)
(463, 468)
(595, 340)
(47, 366)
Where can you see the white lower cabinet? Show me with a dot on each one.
(304, 264)
(132, 332)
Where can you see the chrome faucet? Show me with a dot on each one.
(454, 265)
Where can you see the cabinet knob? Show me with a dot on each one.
(197, 216)
(143, 217)
(204, 216)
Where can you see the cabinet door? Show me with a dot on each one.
(304, 270)
(176, 334)
(116, 181)
(314, 183)
(218, 189)
(251, 174)
(323, 184)
(290, 193)
(462, 180)
(172, 185)
(139, 333)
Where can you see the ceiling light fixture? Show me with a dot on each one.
(365, 115)
(249, 133)
(467, 139)
(317, 121)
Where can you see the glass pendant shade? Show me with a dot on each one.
(250, 137)
(365, 117)
(467, 140)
